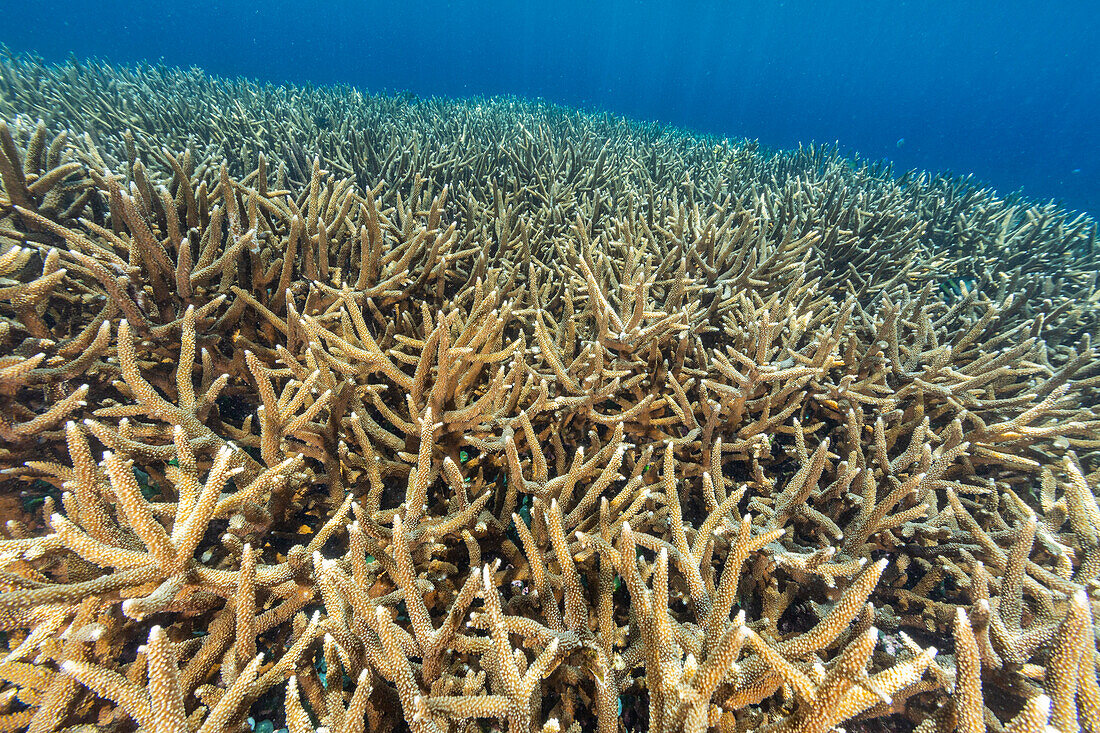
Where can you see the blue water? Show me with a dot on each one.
(1006, 91)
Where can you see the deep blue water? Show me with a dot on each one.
(1006, 91)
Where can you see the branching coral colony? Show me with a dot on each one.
(464, 416)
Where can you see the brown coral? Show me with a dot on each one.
(459, 415)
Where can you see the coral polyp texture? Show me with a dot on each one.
(327, 410)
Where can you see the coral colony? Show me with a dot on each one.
(331, 411)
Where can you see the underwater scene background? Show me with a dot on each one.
(1006, 91)
(473, 368)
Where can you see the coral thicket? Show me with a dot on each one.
(371, 412)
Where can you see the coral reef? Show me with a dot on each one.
(373, 413)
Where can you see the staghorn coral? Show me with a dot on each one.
(480, 415)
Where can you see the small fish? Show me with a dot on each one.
(900, 142)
